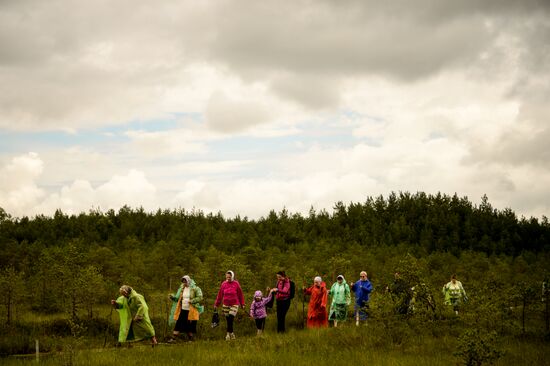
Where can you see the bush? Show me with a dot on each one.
(476, 348)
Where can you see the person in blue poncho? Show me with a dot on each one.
(362, 290)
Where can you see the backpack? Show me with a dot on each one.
(292, 290)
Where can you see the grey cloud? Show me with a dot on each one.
(45, 49)
(337, 42)
(226, 115)
(312, 91)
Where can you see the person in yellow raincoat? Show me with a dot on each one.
(135, 324)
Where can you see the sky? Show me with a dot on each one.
(242, 107)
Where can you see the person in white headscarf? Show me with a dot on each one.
(341, 298)
(186, 307)
(317, 308)
(230, 296)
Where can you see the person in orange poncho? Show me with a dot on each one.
(317, 311)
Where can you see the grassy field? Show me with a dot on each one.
(385, 340)
(352, 345)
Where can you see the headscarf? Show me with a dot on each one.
(232, 274)
(126, 289)
(318, 279)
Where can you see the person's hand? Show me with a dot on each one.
(113, 302)
(242, 306)
(215, 308)
(137, 318)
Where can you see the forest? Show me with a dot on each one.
(57, 274)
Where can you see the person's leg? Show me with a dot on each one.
(192, 330)
(178, 328)
(282, 310)
(260, 323)
(280, 320)
(230, 319)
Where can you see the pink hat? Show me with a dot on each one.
(257, 294)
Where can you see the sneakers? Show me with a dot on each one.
(227, 337)
(232, 335)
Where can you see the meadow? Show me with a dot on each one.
(421, 338)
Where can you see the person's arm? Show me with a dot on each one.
(368, 287)
(463, 292)
(348, 294)
(141, 308)
(115, 304)
(198, 296)
(267, 299)
(240, 295)
(353, 286)
(324, 298)
(252, 309)
(219, 297)
(176, 297)
(308, 290)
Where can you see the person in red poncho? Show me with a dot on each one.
(317, 311)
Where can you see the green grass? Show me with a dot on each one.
(348, 345)
(385, 340)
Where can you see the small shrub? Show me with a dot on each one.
(476, 349)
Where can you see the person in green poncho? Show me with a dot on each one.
(186, 307)
(341, 298)
(454, 293)
(135, 324)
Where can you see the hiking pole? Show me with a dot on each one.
(167, 308)
(109, 321)
(303, 302)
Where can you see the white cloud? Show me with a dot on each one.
(449, 96)
(18, 189)
(161, 143)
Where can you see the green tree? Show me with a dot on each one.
(11, 288)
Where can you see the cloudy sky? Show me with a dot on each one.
(247, 106)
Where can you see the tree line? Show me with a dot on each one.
(73, 262)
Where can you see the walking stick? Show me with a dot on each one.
(167, 308)
(303, 303)
(109, 321)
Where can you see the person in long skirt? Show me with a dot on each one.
(186, 309)
(135, 324)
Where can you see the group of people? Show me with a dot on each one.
(135, 323)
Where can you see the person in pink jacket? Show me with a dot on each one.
(230, 296)
(258, 311)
